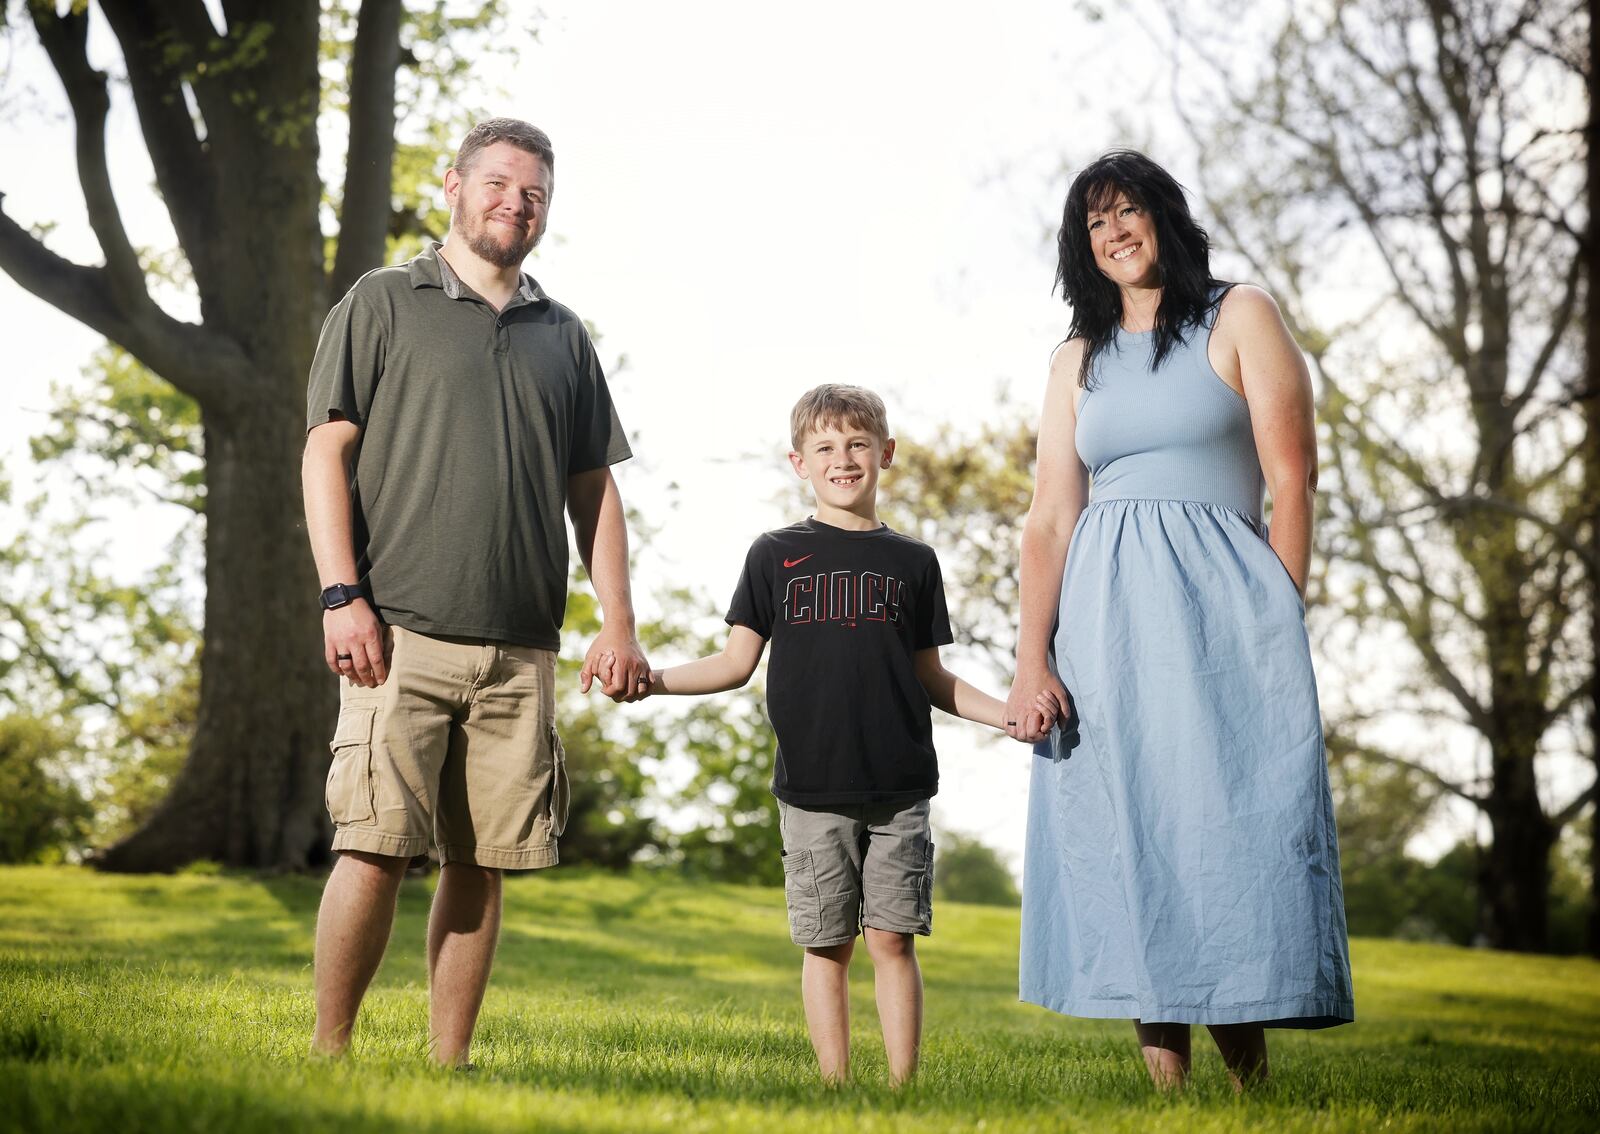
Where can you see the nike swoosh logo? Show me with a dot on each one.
(797, 562)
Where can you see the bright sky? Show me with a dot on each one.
(749, 200)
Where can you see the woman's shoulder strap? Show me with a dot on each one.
(1215, 294)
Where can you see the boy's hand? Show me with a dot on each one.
(605, 667)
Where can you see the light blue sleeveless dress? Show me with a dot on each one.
(1181, 863)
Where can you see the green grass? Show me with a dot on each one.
(646, 1003)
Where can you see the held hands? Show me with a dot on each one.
(618, 662)
(354, 644)
(607, 674)
(1037, 701)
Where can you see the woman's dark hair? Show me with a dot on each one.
(1183, 248)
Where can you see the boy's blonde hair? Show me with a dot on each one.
(834, 404)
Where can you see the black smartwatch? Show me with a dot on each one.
(341, 594)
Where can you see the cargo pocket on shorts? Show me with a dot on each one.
(349, 792)
(801, 895)
(925, 891)
(560, 786)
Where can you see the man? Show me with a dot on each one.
(454, 409)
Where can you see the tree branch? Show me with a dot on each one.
(183, 164)
(1360, 200)
(113, 299)
(184, 31)
(31, 643)
(1561, 324)
(1345, 747)
(1575, 807)
(203, 364)
(1418, 625)
(369, 164)
(1428, 178)
(1552, 601)
(65, 40)
(1566, 703)
(1565, 536)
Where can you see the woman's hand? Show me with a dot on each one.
(1027, 718)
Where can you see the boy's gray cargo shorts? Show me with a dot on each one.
(853, 865)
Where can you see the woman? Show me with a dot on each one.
(1182, 866)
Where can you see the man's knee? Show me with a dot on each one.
(392, 867)
(471, 874)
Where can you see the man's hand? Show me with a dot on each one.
(606, 674)
(353, 644)
(625, 676)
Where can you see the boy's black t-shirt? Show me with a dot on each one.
(846, 612)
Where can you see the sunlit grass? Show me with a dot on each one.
(647, 1003)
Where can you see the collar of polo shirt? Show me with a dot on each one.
(432, 270)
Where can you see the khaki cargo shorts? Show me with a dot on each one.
(856, 865)
(460, 745)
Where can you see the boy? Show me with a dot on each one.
(856, 615)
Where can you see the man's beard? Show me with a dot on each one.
(486, 247)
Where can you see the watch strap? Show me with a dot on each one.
(341, 594)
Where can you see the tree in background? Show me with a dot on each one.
(965, 870)
(232, 118)
(967, 495)
(110, 668)
(1418, 164)
(1588, 62)
(725, 817)
(42, 812)
(117, 662)
(612, 784)
(730, 743)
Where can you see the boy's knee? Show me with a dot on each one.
(887, 945)
(838, 954)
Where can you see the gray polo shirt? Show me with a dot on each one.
(471, 422)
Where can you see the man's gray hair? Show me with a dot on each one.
(523, 135)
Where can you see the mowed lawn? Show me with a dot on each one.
(650, 1003)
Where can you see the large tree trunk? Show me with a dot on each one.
(1591, 455)
(251, 791)
(1514, 871)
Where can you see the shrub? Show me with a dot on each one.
(44, 816)
(967, 871)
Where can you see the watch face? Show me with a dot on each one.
(339, 595)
